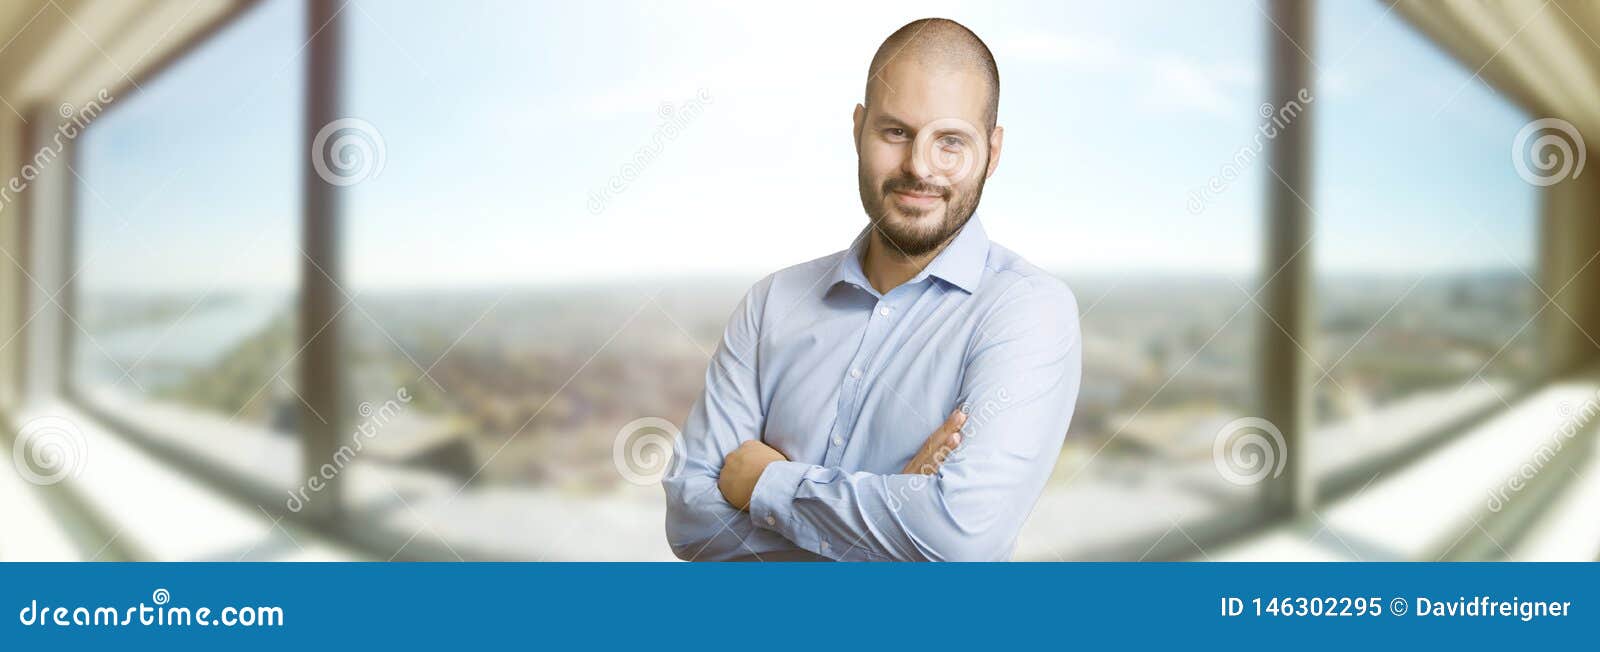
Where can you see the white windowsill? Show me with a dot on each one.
(162, 514)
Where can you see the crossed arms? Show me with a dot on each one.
(963, 495)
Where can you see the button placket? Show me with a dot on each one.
(871, 339)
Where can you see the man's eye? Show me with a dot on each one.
(952, 143)
(895, 132)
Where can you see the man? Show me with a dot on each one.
(811, 440)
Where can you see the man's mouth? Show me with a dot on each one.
(917, 199)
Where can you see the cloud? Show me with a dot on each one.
(1091, 52)
(1162, 82)
(1184, 84)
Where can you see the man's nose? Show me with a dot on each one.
(915, 164)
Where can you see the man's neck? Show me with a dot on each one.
(887, 267)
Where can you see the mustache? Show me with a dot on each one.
(911, 185)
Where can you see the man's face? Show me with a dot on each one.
(923, 157)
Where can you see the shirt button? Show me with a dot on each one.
(884, 310)
(771, 521)
(838, 441)
(855, 373)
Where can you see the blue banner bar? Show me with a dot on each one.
(765, 606)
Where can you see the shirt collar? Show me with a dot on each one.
(960, 264)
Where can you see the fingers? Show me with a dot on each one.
(950, 439)
(944, 440)
(941, 454)
(952, 426)
(939, 439)
(948, 434)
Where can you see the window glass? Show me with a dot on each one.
(186, 246)
(1424, 289)
(573, 198)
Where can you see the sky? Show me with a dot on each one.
(500, 121)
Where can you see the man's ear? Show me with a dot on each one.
(860, 119)
(996, 139)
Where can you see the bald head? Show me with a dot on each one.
(942, 45)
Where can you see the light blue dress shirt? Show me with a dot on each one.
(848, 383)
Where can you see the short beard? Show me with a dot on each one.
(910, 241)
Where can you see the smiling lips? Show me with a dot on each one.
(915, 199)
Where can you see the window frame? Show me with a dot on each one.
(186, 459)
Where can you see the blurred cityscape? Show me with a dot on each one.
(1167, 360)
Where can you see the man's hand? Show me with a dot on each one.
(933, 453)
(742, 468)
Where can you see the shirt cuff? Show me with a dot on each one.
(774, 493)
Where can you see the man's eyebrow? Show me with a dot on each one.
(890, 121)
